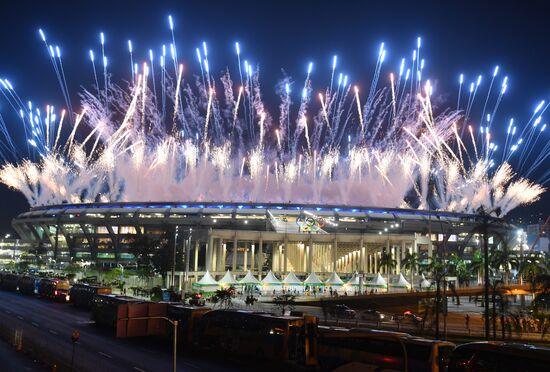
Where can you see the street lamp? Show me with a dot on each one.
(175, 343)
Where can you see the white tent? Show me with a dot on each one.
(313, 280)
(402, 282)
(334, 280)
(270, 279)
(378, 281)
(227, 280)
(425, 283)
(292, 279)
(207, 283)
(249, 279)
(354, 280)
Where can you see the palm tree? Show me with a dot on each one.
(504, 259)
(531, 267)
(456, 266)
(411, 262)
(463, 273)
(477, 264)
(387, 262)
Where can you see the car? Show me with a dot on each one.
(499, 356)
(407, 317)
(342, 311)
(197, 300)
(372, 315)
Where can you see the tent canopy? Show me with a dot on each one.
(292, 279)
(354, 280)
(250, 279)
(313, 279)
(378, 281)
(402, 282)
(228, 279)
(270, 279)
(206, 281)
(424, 283)
(334, 280)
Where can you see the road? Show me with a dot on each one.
(47, 326)
(14, 361)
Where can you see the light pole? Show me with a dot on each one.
(175, 341)
(174, 259)
(187, 261)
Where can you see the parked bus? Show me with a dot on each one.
(187, 317)
(105, 308)
(9, 281)
(499, 356)
(29, 285)
(54, 289)
(82, 294)
(375, 349)
(258, 334)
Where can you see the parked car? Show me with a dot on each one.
(371, 315)
(499, 356)
(342, 311)
(197, 299)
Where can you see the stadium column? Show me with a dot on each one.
(260, 259)
(245, 256)
(224, 255)
(220, 264)
(234, 256)
(309, 268)
(361, 255)
(196, 263)
(285, 254)
(209, 250)
(252, 256)
(334, 252)
(214, 254)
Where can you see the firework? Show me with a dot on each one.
(205, 138)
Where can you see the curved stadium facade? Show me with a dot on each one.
(240, 237)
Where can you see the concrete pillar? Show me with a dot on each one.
(285, 255)
(224, 255)
(375, 262)
(310, 255)
(245, 260)
(280, 260)
(214, 254)
(209, 250)
(361, 256)
(196, 263)
(334, 252)
(234, 258)
(260, 255)
(252, 257)
(221, 261)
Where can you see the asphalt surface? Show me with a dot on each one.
(46, 328)
(14, 361)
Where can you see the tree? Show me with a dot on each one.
(387, 262)
(411, 263)
(476, 265)
(284, 302)
(531, 267)
(158, 254)
(504, 259)
(463, 273)
(224, 297)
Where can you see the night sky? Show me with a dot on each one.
(469, 37)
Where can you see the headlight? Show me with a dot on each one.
(382, 316)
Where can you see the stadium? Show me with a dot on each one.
(258, 237)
